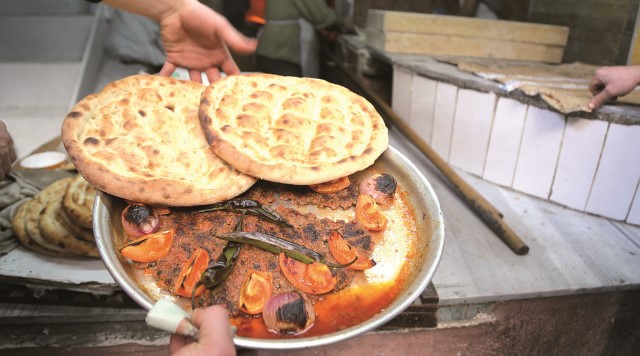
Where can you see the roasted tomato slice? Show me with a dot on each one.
(345, 253)
(150, 247)
(313, 278)
(255, 291)
(190, 274)
(331, 186)
(368, 214)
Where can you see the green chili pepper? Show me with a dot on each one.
(248, 206)
(218, 269)
(276, 245)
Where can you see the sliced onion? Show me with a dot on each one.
(288, 313)
(139, 220)
(382, 187)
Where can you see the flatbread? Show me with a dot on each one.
(19, 228)
(35, 209)
(291, 130)
(140, 139)
(78, 202)
(55, 232)
(76, 230)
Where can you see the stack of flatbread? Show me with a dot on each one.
(164, 141)
(58, 220)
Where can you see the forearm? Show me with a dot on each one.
(153, 9)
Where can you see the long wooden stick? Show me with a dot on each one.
(489, 214)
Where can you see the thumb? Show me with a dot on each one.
(234, 39)
(598, 99)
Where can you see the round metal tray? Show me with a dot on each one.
(430, 235)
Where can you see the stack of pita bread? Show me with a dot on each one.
(58, 220)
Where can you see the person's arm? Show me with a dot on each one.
(194, 36)
(611, 82)
(317, 12)
(7, 152)
(215, 334)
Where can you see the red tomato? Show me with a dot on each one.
(313, 278)
(255, 291)
(150, 247)
(368, 214)
(191, 273)
(331, 186)
(345, 253)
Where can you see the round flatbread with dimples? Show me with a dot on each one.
(291, 130)
(140, 139)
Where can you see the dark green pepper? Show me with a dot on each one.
(276, 245)
(248, 206)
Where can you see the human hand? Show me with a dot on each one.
(196, 37)
(215, 336)
(7, 152)
(611, 82)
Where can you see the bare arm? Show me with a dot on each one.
(194, 36)
(611, 82)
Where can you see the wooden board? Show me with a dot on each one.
(435, 44)
(411, 22)
(406, 32)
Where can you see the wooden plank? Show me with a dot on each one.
(435, 44)
(396, 21)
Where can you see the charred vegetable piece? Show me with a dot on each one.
(332, 186)
(218, 269)
(139, 220)
(382, 187)
(190, 275)
(288, 313)
(150, 247)
(368, 214)
(344, 253)
(248, 206)
(312, 278)
(255, 291)
(275, 244)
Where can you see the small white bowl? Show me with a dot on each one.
(43, 160)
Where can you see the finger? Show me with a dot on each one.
(233, 38)
(177, 342)
(213, 74)
(229, 66)
(167, 69)
(195, 76)
(598, 100)
(215, 330)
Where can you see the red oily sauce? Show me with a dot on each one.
(368, 292)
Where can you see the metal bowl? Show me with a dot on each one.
(430, 231)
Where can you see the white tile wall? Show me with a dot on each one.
(583, 164)
(401, 92)
(471, 130)
(581, 147)
(445, 109)
(634, 213)
(543, 131)
(423, 101)
(618, 174)
(504, 144)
